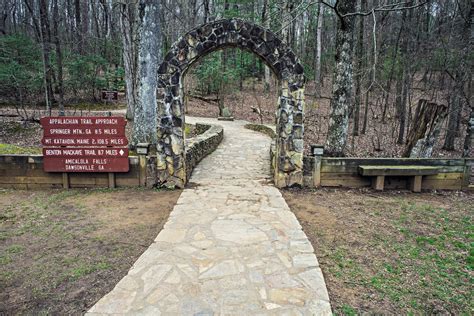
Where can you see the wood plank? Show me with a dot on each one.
(32, 180)
(15, 186)
(393, 161)
(78, 179)
(444, 176)
(441, 184)
(345, 183)
(386, 170)
(42, 186)
(341, 176)
(353, 169)
(131, 182)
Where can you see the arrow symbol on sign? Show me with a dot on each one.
(121, 152)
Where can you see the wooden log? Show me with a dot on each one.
(441, 184)
(127, 182)
(392, 161)
(32, 180)
(445, 176)
(366, 170)
(359, 183)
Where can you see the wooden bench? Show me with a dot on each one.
(378, 174)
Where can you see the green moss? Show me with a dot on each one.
(262, 129)
(8, 149)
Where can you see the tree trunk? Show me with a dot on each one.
(453, 117)
(149, 54)
(78, 33)
(286, 24)
(461, 78)
(317, 62)
(402, 84)
(467, 150)
(366, 111)
(429, 119)
(59, 57)
(266, 24)
(206, 10)
(359, 67)
(44, 30)
(129, 24)
(342, 82)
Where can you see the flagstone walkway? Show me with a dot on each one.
(230, 247)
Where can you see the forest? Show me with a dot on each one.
(373, 67)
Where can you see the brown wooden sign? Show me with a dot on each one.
(109, 95)
(84, 144)
(84, 141)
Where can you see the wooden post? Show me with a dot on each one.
(415, 183)
(65, 180)
(468, 164)
(111, 180)
(317, 151)
(142, 165)
(142, 151)
(378, 183)
(317, 171)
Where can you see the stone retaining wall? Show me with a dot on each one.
(202, 145)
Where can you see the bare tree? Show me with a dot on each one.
(149, 54)
(59, 56)
(317, 63)
(342, 80)
(129, 24)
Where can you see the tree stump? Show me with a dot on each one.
(427, 123)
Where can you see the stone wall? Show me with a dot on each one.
(171, 161)
(202, 145)
(205, 142)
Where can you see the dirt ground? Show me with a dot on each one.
(61, 251)
(391, 252)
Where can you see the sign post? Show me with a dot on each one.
(84, 144)
(109, 96)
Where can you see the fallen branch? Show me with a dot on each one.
(208, 100)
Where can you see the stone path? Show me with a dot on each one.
(230, 247)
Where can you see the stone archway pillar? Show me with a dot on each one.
(289, 136)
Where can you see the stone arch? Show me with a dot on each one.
(288, 159)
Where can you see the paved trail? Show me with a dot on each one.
(230, 247)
